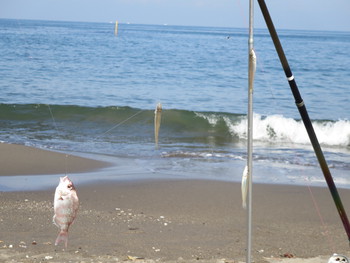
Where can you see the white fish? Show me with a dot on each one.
(66, 205)
(336, 258)
(244, 187)
(157, 118)
(252, 68)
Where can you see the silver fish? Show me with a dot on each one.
(244, 187)
(252, 69)
(66, 204)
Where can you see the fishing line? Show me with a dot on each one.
(118, 124)
(57, 131)
(109, 130)
(260, 60)
(28, 51)
(305, 118)
(312, 197)
(264, 77)
(326, 231)
(53, 119)
(325, 227)
(28, 48)
(244, 17)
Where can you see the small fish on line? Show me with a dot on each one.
(244, 187)
(157, 119)
(252, 68)
(66, 204)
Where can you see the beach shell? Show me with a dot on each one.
(133, 258)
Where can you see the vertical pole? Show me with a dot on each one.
(251, 71)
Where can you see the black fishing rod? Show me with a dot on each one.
(305, 117)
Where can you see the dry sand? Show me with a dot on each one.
(173, 221)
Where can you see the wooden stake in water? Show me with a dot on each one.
(157, 119)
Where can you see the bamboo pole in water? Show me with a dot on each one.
(157, 119)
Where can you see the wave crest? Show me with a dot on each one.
(177, 125)
(277, 128)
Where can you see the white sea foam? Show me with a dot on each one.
(277, 128)
(211, 118)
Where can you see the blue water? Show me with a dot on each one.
(75, 87)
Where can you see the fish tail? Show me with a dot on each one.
(62, 237)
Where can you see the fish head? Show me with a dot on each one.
(65, 186)
(336, 258)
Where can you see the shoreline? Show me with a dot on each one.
(174, 221)
(165, 220)
(18, 159)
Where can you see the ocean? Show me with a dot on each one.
(75, 87)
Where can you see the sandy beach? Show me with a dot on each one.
(23, 160)
(166, 220)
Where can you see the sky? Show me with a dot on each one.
(286, 14)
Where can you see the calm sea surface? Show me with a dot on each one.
(77, 88)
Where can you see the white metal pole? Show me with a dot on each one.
(251, 72)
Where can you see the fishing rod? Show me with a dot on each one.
(305, 117)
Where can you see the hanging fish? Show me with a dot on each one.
(157, 119)
(244, 187)
(66, 205)
(252, 68)
(336, 258)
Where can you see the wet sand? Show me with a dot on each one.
(174, 221)
(23, 160)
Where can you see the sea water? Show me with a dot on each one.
(75, 87)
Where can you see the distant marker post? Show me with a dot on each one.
(116, 28)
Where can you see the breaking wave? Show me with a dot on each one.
(279, 129)
(131, 124)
